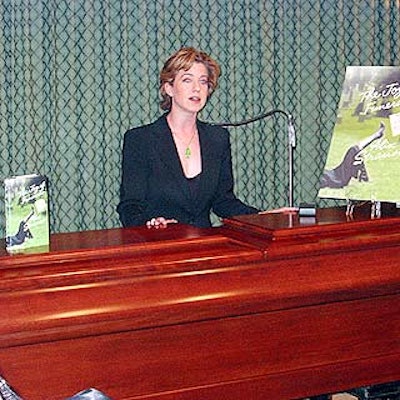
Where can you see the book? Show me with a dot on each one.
(364, 154)
(27, 213)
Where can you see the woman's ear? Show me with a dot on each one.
(168, 87)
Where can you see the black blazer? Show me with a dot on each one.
(154, 185)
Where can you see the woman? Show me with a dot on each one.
(178, 169)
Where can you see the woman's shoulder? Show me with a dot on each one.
(150, 127)
(213, 128)
(216, 133)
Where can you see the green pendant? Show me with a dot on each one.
(188, 153)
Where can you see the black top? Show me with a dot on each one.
(194, 184)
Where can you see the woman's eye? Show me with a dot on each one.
(204, 82)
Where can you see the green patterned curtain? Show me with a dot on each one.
(76, 74)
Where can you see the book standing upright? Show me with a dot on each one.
(27, 215)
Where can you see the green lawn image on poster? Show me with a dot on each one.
(363, 161)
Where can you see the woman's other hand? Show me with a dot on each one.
(282, 210)
(160, 222)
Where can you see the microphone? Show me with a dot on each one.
(291, 131)
(291, 139)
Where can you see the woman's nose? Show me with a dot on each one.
(196, 85)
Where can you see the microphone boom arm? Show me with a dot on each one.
(291, 140)
(253, 119)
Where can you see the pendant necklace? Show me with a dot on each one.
(188, 151)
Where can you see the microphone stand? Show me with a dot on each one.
(291, 140)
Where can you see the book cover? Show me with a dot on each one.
(363, 161)
(27, 213)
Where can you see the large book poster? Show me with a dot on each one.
(363, 160)
(27, 216)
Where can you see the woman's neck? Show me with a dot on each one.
(185, 125)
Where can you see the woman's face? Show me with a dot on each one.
(189, 91)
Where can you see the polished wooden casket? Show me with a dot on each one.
(265, 307)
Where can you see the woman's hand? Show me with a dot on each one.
(160, 222)
(282, 210)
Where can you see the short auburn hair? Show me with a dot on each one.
(184, 59)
